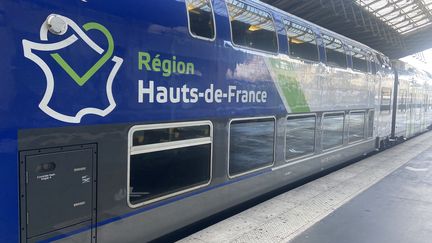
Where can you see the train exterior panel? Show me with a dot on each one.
(413, 114)
(125, 121)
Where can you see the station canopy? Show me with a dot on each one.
(403, 16)
(395, 27)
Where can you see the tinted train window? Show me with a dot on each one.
(373, 67)
(300, 136)
(384, 61)
(411, 101)
(168, 160)
(373, 63)
(403, 99)
(251, 145)
(385, 99)
(302, 41)
(359, 59)
(252, 27)
(162, 135)
(335, 52)
(430, 103)
(333, 130)
(356, 126)
(201, 21)
(371, 118)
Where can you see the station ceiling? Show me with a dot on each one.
(397, 28)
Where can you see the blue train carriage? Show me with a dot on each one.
(124, 121)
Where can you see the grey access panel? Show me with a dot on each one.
(59, 190)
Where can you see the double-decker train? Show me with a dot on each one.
(122, 121)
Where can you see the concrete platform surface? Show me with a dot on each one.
(383, 198)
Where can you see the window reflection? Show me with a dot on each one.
(159, 167)
(333, 128)
(252, 27)
(371, 123)
(302, 41)
(162, 135)
(359, 59)
(251, 145)
(300, 136)
(161, 173)
(356, 126)
(335, 51)
(201, 18)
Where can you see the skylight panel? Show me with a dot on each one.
(403, 16)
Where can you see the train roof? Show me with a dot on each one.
(320, 28)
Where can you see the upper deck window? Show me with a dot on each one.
(302, 41)
(335, 51)
(359, 59)
(201, 19)
(252, 27)
(385, 62)
(373, 63)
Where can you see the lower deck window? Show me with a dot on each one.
(300, 136)
(356, 126)
(161, 170)
(333, 130)
(251, 145)
(371, 117)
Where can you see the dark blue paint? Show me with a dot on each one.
(154, 26)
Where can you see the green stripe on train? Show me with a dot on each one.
(289, 85)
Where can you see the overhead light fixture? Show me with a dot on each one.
(296, 41)
(254, 28)
(192, 8)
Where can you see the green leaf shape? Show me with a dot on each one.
(82, 80)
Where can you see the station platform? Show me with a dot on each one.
(386, 197)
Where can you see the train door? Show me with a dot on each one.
(414, 113)
(428, 110)
(418, 114)
(372, 90)
(423, 109)
(411, 113)
(377, 97)
(400, 126)
(384, 98)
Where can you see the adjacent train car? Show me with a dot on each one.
(385, 93)
(413, 106)
(123, 121)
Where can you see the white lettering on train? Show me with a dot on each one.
(187, 94)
